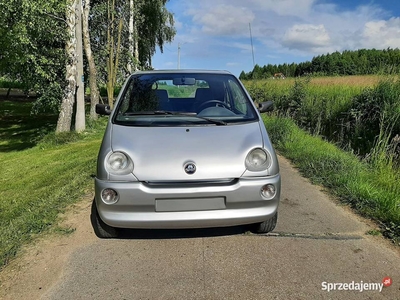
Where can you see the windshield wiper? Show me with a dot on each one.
(174, 113)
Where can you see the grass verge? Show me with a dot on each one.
(38, 183)
(373, 192)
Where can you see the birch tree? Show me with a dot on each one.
(80, 115)
(113, 50)
(129, 38)
(65, 116)
(94, 90)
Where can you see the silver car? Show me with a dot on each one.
(185, 149)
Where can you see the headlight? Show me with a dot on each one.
(119, 164)
(257, 160)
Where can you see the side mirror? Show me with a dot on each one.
(265, 106)
(103, 109)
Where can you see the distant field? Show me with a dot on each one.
(360, 81)
(345, 86)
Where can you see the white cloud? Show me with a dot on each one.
(286, 7)
(307, 37)
(381, 34)
(224, 19)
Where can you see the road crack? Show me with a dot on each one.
(320, 236)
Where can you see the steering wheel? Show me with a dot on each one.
(210, 102)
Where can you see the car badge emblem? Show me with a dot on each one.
(190, 168)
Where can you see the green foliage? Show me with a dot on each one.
(6, 84)
(375, 113)
(372, 191)
(103, 90)
(154, 24)
(31, 42)
(292, 103)
(355, 118)
(364, 121)
(359, 62)
(50, 100)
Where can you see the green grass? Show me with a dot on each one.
(38, 180)
(19, 129)
(371, 191)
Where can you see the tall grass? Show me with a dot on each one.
(372, 191)
(360, 116)
(347, 112)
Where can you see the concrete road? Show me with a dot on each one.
(317, 244)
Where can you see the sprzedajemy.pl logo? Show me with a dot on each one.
(356, 286)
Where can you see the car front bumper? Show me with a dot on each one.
(185, 205)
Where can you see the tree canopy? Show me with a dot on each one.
(359, 62)
(34, 36)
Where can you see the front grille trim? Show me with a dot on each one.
(191, 183)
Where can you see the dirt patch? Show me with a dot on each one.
(40, 265)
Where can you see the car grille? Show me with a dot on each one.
(185, 184)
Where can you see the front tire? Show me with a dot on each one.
(266, 226)
(101, 229)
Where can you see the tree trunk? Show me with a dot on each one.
(130, 36)
(110, 50)
(80, 96)
(136, 46)
(65, 116)
(94, 90)
(118, 50)
(113, 52)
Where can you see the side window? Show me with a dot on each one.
(125, 102)
(239, 99)
(138, 97)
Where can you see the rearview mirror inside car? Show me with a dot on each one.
(184, 81)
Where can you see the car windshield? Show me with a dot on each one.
(180, 99)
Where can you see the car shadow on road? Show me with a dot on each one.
(145, 234)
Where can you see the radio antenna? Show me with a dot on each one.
(252, 48)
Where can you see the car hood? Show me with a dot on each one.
(160, 153)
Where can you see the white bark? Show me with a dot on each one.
(130, 36)
(65, 116)
(94, 91)
(80, 96)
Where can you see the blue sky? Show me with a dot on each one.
(214, 34)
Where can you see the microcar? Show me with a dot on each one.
(185, 149)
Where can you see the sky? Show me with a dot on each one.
(215, 34)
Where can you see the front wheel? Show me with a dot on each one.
(266, 226)
(101, 229)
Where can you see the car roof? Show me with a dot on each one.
(183, 71)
